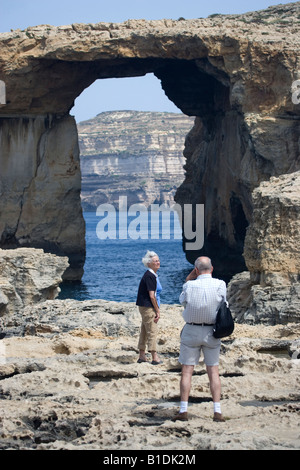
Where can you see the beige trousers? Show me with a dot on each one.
(148, 334)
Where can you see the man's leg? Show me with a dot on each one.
(185, 387)
(185, 382)
(211, 351)
(214, 382)
(142, 339)
(148, 334)
(215, 388)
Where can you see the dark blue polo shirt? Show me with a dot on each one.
(147, 283)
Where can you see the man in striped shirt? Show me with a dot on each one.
(201, 297)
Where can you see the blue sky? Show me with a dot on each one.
(138, 93)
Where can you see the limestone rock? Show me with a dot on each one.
(40, 188)
(111, 318)
(270, 291)
(79, 387)
(28, 276)
(134, 154)
(270, 305)
(272, 244)
(233, 72)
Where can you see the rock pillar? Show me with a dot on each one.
(270, 291)
(40, 187)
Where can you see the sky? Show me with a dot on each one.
(136, 93)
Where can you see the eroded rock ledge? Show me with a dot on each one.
(72, 382)
(270, 291)
(27, 276)
(69, 377)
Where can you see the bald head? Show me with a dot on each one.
(203, 264)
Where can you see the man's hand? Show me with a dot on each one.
(193, 275)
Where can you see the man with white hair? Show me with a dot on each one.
(148, 301)
(201, 296)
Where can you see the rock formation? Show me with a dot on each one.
(134, 154)
(71, 382)
(69, 379)
(234, 73)
(40, 187)
(69, 374)
(28, 276)
(270, 291)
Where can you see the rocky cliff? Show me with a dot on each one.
(270, 291)
(234, 73)
(40, 188)
(134, 154)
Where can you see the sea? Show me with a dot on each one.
(113, 266)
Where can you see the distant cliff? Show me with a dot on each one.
(134, 154)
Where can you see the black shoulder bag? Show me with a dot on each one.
(224, 325)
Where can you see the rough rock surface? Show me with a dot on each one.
(272, 244)
(27, 276)
(233, 72)
(270, 291)
(72, 382)
(40, 186)
(134, 154)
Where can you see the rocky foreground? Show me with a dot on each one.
(70, 380)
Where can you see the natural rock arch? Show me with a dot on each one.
(233, 73)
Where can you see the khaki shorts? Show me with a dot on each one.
(195, 338)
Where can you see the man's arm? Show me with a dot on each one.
(222, 290)
(192, 276)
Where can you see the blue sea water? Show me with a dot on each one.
(113, 267)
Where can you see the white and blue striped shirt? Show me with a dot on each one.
(202, 298)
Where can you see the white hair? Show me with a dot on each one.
(148, 257)
(203, 263)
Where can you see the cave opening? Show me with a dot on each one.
(105, 184)
(196, 87)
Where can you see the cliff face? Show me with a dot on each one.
(270, 291)
(40, 188)
(234, 73)
(134, 154)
